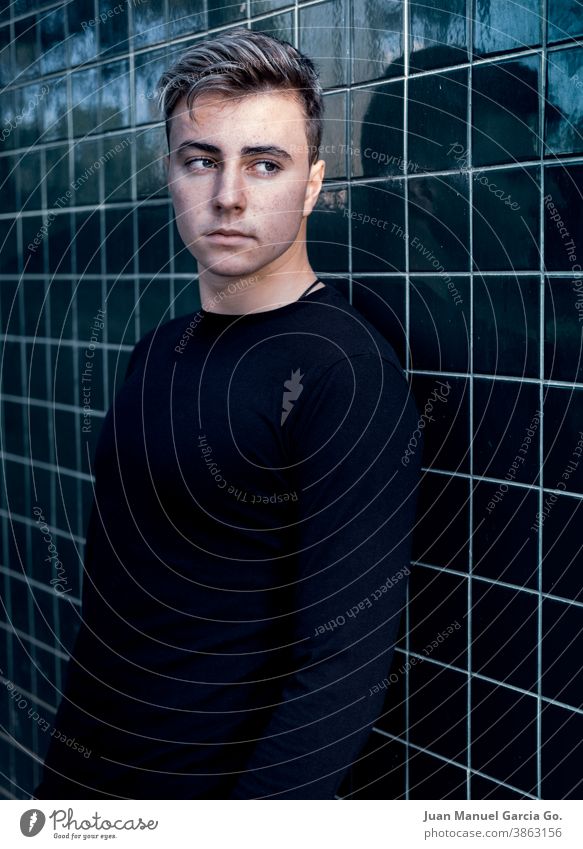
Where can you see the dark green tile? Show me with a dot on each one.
(563, 190)
(564, 102)
(438, 34)
(437, 119)
(506, 325)
(377, 39)
(439, 223)
(506, 219)
(501, 26)
(440, 323)
(376, 130)
(377, 220)
(323, 37)
(505, 111)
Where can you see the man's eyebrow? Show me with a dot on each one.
(269, 149)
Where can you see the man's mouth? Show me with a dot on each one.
(225, 236)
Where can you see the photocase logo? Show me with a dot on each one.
(32, 822)
(293, 391)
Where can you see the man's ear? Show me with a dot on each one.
(314, 186)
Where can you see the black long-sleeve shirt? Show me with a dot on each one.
(247, 559)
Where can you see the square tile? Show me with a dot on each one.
(505, 100)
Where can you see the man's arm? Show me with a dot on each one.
(357, 503)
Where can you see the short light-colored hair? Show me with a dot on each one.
(241, 61)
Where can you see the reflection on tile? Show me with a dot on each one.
(6, 63)
(381, 300)
(85, 93)
(505, 111)
(504, 734)
(438, 709)
(377, 39)
(563, 440)
(439, 323)
(438, 34)
(438, 600)
(561, 570)
(82, 39)
(26, 49)
(279, 26)
(439, 223)
(149, 25)
(437, 107)
(563, 190)
(565, 19)
(504, 634)
(28, 104)
(8, 135)
(53, 44)
(221, 13)
(442, 531)
(113, 27)
(562, 750)
(115, 87)
(562, 674)
(322, 36)
(504, 413)
(184, 19)
(54, 109)
(262, 7)
(334, 147)
(148, 69)
(500, 26)
(506, 219)
(506, 325)
(376, 140)
(564, 102)
(504, 545)
(563, 340)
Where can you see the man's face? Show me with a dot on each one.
(241, 163)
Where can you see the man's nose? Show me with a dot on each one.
(230, 187)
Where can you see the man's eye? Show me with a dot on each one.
(271, 167)
(199, 159)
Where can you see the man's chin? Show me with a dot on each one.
(244, 265)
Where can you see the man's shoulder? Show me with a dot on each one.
(354, 332)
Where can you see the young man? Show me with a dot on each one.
(248, 549)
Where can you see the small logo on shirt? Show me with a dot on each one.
(293, 390)
(31, 822)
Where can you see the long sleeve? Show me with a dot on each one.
(357, 500)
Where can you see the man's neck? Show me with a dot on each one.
(254, 293)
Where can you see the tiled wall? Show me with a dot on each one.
(459, 127)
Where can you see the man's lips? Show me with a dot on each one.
(227, 236)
